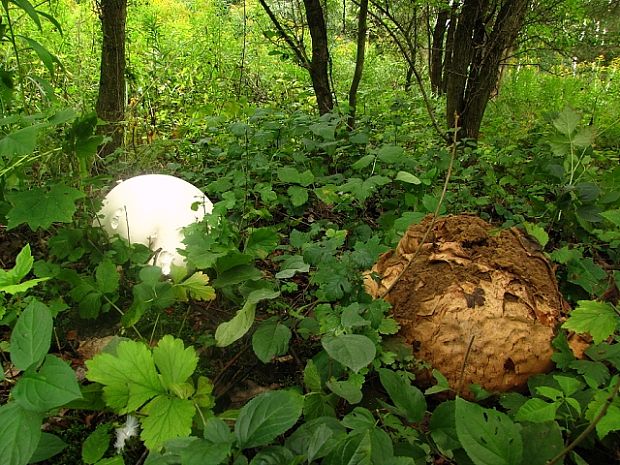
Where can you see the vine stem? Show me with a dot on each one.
(435, 213)
(590, 427)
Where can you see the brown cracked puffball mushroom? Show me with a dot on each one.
(479, 305)
(153, 209)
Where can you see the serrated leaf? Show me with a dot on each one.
(53, 385)
(270, 339)
(273, 455)
(107, 277)
(567, 121)
(390, 153)
(262, 242)
(489, 437)
(408, 399)
(611, 421)
(298, 195)
(291, 265)
(537, 411)
(267, 416)
(230, 331)
(175, 362)
(409, 178)
(537, 233)
(197, 287)
(129, 377)
(20, 432)
(544, 441)
(96, 444)
(40, 207)
(166, 418)
(354, 351)
(595, 318)
(19, 143)
(31, 336)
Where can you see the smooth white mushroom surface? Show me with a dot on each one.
(152, 209)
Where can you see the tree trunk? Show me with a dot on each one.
(359, 61)
(483, 32)
(436, 52)
(111, 99)
(320, 56)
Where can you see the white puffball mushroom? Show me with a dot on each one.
(153, 209)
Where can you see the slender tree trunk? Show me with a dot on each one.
(437, 51)
(111, 99)
(359, 61)
(319, 64)
(449, 48)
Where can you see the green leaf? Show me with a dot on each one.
(107, 277)
(363, 162)
(409, 178)
(230, 331)
(262, 242)
(595, 318)
(29, 9)
(53, 385)
(611, 421)
(19, 143)
(443, 428)
(291, 265)
(536, 410)
(202, 452)
(350, 389)
(20, 432)
(167, 418)
(613, 216)
(489, 437)
(390, 153)
(567, 121)
(23, 265)
(543, 442)
(354, 351)
(174, 362)
(129, 377)
(49, 445)
(44, 55)
(312, 377)
(96, 444)
(270, 339)
(537, 233)
(273, 455)
(196, 286)
(289, 175)
(298, 195)
(31, 336)
(267, 416)
(408, 399)
(40, 207)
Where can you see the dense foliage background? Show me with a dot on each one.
(269, 351)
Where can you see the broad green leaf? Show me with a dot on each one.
(236, 275)
(409, 178)
(595, 318)
(262, 242)
(230, 331)
(489, 437)
(443, 428)
(23, 265)
(390, 153)
(174, 362)
(363, 162)
(355, 450)
(31, 336)
(96, 444)
(291, 265)
(567, 121)
(537, 233)
(107, 277)
(298, 195)
(270, 339)
(44, 55)
(166, 418)
(49, 445)
(30, 10)
(196, 286)
(53, 385)
(19, 143)
(312, 377)
(611, 421)
(613, 216)
(542, 442)
(536, 410)
(267, 416)
(202, 452)
(129, 377)
(289, 175)
(40, 207)
(273, 455)
(407, 398)
(354, 351)
(20, 432)
(349, 389)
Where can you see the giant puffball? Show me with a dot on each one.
(153, 209)
(481, 305)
